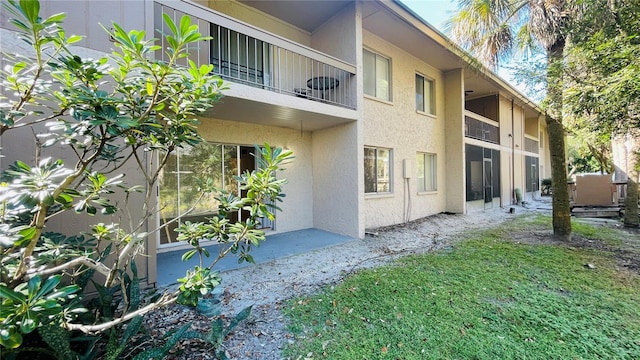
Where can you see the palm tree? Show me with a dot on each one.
(492, 29)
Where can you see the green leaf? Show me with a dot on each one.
(160, 353)
(33, 286)
(56, 18)
(14, 296)
(73, 39)
(185, 24)
(114, 346)
(189, 254)
(21, 26)
(134, 288)
(64, 199)
(26, 235)
(30, 9)
(17, 67)
(10, 338)
(64, 292)
(133, 327)
(246, 257)
(28, 323)
(240, 317)
(217, 331)
(169, 22)
(149, 88)
(108, 210)
(49, 285)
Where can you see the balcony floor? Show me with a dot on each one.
(251, 105)
(171, 267)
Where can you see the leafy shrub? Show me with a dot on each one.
(108, 113)
(546, 186)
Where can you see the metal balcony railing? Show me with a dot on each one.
(247, 55)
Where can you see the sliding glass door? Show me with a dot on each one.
(180, 198)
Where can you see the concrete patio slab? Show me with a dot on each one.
(171, 267)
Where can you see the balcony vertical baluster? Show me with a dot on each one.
(302, 72)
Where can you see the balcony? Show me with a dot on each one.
(248, 56)
(480, 128)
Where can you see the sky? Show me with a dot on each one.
(436, 13)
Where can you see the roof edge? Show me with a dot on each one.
(450, 45)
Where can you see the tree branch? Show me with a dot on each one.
(165, 300)
(88, 262)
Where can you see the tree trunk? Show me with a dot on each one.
(560, 196)
(560, 200)
(631, 218)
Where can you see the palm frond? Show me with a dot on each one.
(546, 21)
(485, 28)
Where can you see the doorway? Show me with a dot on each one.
(250, 161)
(488, 184)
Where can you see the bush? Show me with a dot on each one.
(546, 187)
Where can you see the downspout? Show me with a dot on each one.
(513, 156)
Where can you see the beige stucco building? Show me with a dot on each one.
(388, 119)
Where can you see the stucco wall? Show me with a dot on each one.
(455, 152)
(625, 156)
(335, 179)
(257, 18)
(517, 133)
(397, 125)
(86, 17)
(297, 208)
(531, 127)
(20, 144)
(508, 141)
(341, 26)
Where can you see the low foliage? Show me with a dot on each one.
(546, 186)
(486, 298)
(218, 333)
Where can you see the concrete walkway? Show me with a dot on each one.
(171, 266)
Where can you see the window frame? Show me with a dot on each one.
(432, 166)
(378, 179)
(432, 98)
(376, 57)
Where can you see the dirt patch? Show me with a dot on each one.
(268, 286)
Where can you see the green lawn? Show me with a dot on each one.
(485, 298)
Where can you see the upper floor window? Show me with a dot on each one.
(426, 176)
(424, 95)
(377, 170)
(377, 77)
